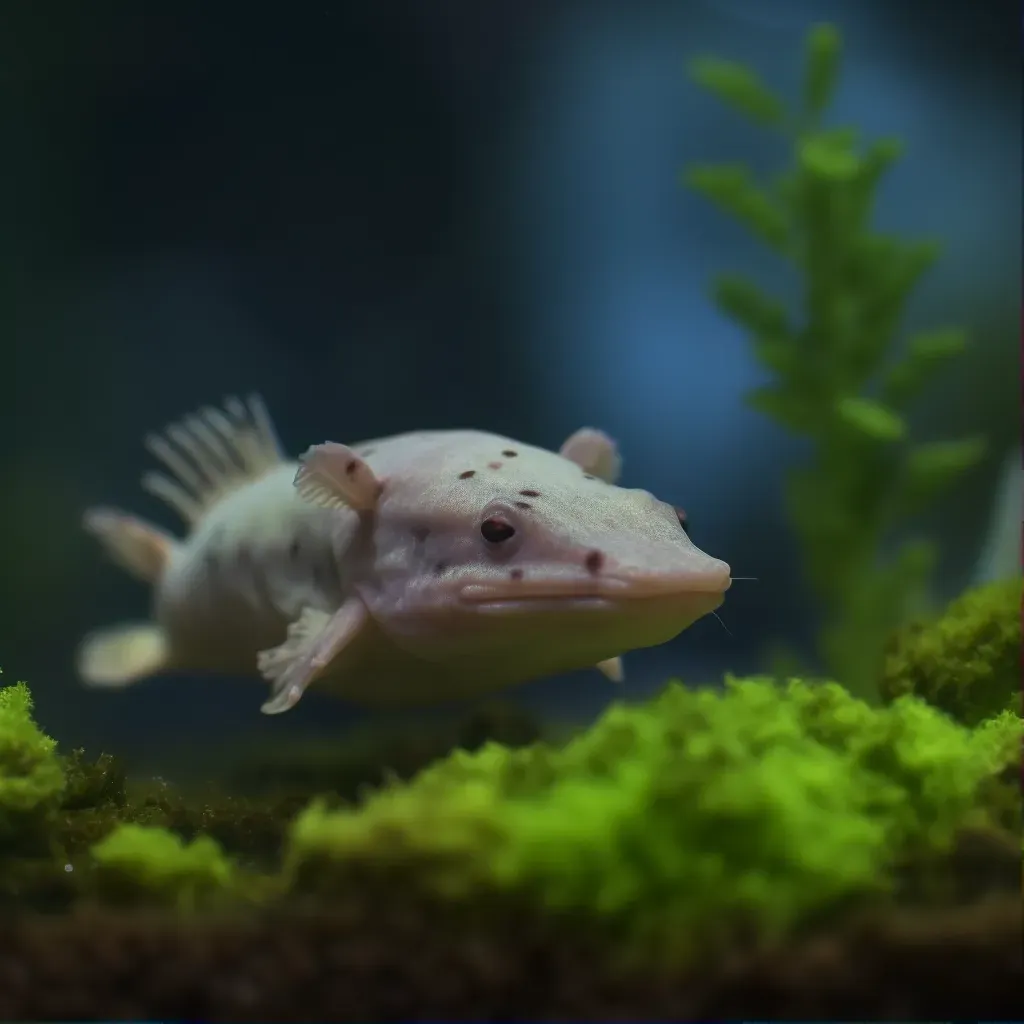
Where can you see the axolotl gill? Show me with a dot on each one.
(425, 567)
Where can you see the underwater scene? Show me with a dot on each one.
(513, 513)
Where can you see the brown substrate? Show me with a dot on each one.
(370, 962)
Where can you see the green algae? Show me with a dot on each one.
(674, 821)
(31, 780)
(968, 660)
(56, 808)
(671, 825)
(68, 803)
(135, 861)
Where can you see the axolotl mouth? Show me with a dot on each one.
(705, 590)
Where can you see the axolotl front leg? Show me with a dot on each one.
(332, 476)
(314, 640)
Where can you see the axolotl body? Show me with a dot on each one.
(418, 568)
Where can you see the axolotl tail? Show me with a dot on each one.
(127, 652)
(209, 455)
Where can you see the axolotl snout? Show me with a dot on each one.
(412, 569)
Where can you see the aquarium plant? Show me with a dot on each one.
(136, 862)
(670, 823)
(31, 776)
(678, 821)
(841, 375)
(667, 841)
(968, 661)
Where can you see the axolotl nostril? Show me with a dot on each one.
(412, 569)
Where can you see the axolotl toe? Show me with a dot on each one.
(407, 570)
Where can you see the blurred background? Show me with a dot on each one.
(399, 215)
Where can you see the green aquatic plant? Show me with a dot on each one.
(678, 819)
(90, 784)
(139, 863)
(840, 377)
(968, 661)
(665, 825)
(31, 776)
(55, 808)
(1002, 792)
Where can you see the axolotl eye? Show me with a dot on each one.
(496, 531)
(684, 521)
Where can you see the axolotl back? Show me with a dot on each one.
(412, 569)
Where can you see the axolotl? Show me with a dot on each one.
(419, 568)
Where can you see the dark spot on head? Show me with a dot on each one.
(589, 476)
(441, 567)
(530, 494)
(523, 504)
(467, 474)
(516, 574)
(684, 520)
(420, 534)
(509, 454)
(594, 561)
(293, 549)
(352, 466)
(494, 465)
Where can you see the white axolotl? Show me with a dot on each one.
(424, 567)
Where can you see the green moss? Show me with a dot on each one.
(841, 375)
(670, 823)
(1002, 791)
(968, 661)
(54, 809)
(92, 783)
(673, 820)
(31, 777)
(136, 863)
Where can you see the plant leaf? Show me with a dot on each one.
(829, 158)
(879, 157)
(742, 300)
(739, 87)
(933, 466)
(777, 353)
(730, 187)
(871, 418)
(779, 404)
(885, 270)
(938, 345)
(926, 352)
(821, 69)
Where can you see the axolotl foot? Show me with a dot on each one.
(314, 640)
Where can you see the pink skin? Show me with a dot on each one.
(404, 570)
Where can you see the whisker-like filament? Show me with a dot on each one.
(722, 624)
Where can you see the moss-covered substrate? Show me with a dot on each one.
(769, 850)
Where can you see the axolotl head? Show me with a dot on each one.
(487, 555)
